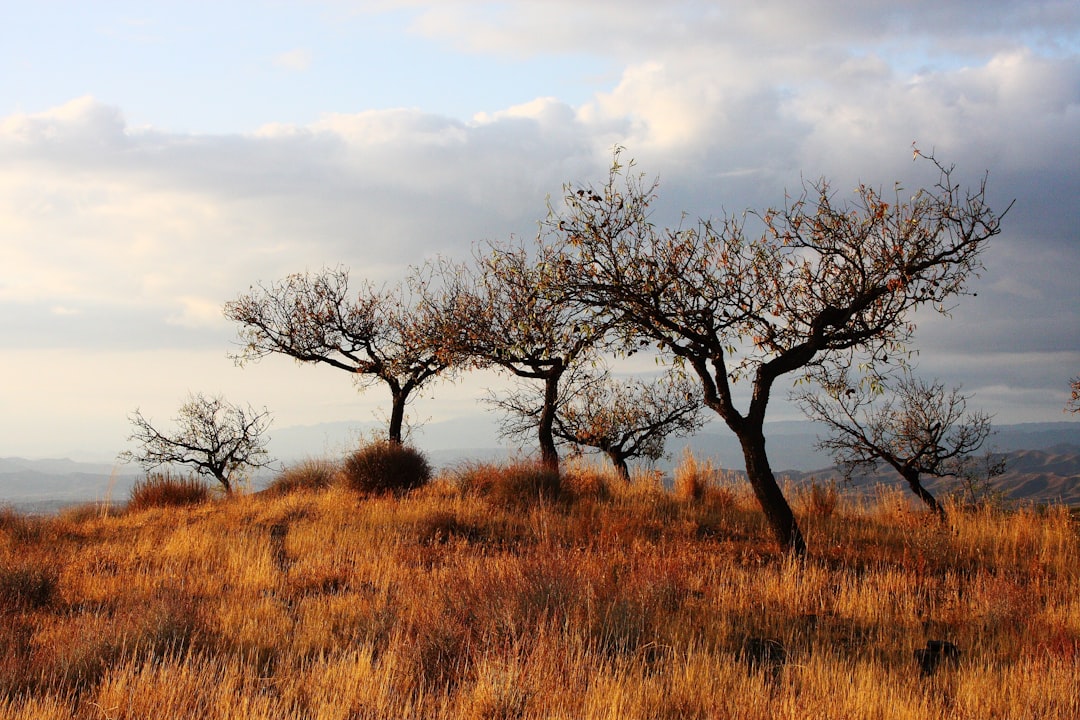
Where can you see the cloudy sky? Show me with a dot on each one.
(156, 159)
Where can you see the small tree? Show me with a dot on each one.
(212, 435)
(623, 419)
(375, 335)
(916, 427)
(1073, 405)
(824, 281)
(519, 316)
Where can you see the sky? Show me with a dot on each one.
(157, 159)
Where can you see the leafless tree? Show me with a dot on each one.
(916, 427)
(824, 281)
(377, 335)
(520, 317)
(212, 435)
(623, 419)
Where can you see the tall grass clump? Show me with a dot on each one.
(386, 467)
(309, 474)
(820, 500)
(694, 478)
(27, 584)
(512, 484)
(583, 480)
(20, 527)
(165, 489)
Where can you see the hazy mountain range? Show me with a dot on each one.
(1043, 465)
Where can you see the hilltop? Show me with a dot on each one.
(502, 592)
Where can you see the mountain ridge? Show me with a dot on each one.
(1043, 465)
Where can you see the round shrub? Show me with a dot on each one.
(384, 466)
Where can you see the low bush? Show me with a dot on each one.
(167, 490)
(386, 467)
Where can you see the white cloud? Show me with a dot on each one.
(297, 60)
(198, 312)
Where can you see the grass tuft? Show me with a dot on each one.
(22, 528)
(27, 584)
(694, 477)
(515, 484)
(820, 500)
(309, 474)
(164, 489)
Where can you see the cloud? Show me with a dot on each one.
(115, 237)
(97, 212)
(298, 60)
(778, 29)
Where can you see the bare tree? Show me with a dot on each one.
(520, 317)
(377, 335)
(623, 419)
(916, 427)
(824, 281)
(630, 418)
(212, 435)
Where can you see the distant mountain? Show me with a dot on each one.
(1030, 475)
(1042, 474)
(45, 485)
(1044, 458)
(791, 444)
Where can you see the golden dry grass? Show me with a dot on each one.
(607, 601)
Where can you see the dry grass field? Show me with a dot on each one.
(501, 592)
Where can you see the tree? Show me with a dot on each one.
(214, 436)
(377, 335)
(916, 427)
(1074, 400)
(520, 317)
(631, 418)
(824, 281)
(622, 419)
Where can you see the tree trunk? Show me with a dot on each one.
(397, 416)
(549, 455)
(224, 480)
(777, 511)
(618, 459)
(912, 477)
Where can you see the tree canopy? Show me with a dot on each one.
(515, 313)
(823, 282)
(379, 335)
(212, 435)
(623, 418)
(914, 426)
